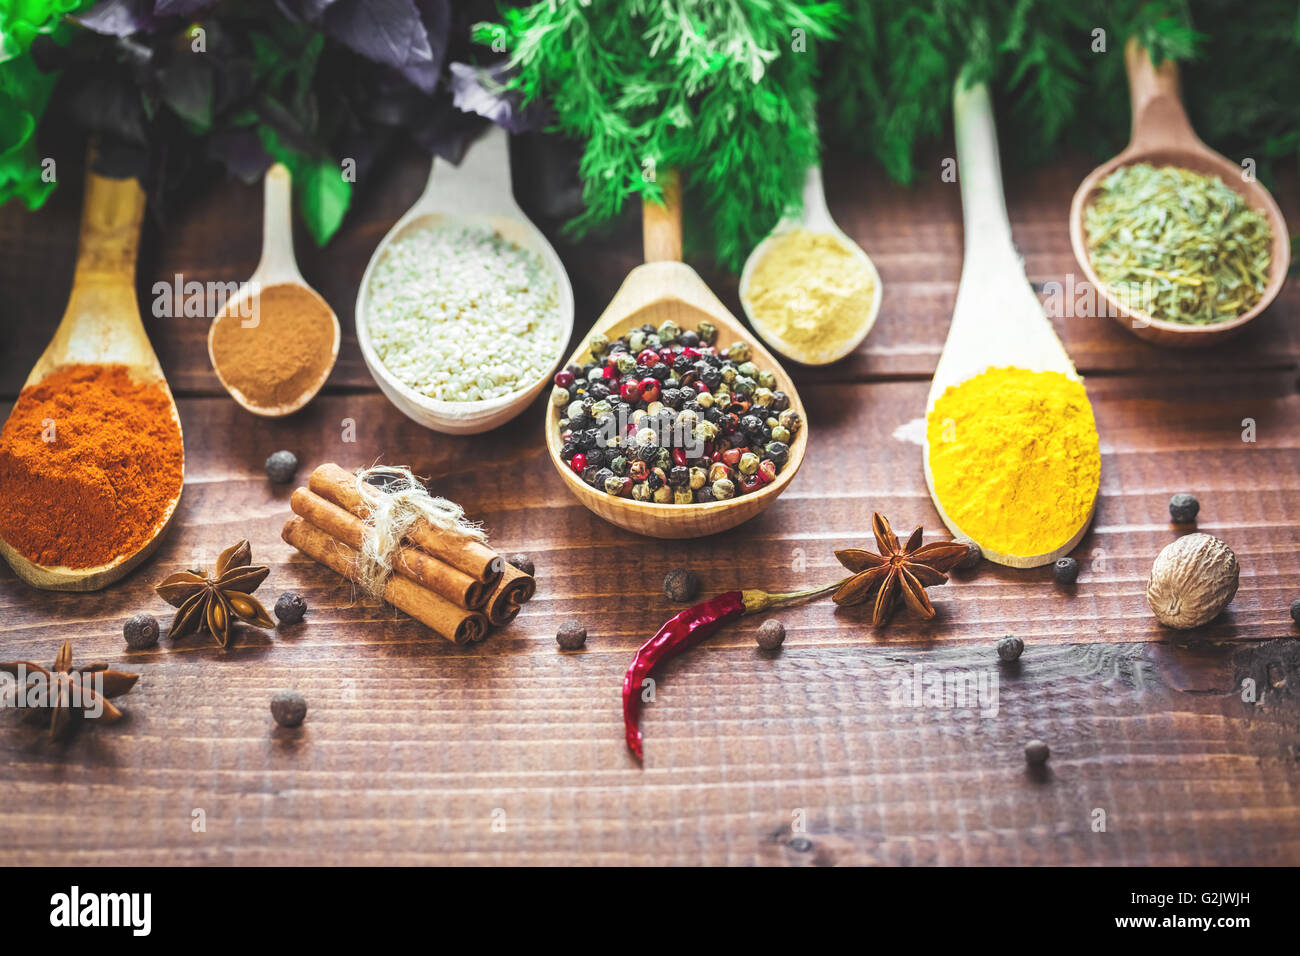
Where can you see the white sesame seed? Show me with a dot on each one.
(459, 313)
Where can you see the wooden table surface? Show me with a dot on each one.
(418, 751)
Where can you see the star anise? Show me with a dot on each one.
(898, 572)
(70, 692)
(216, 602)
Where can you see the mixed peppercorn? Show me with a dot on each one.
(663, 415)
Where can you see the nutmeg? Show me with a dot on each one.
(1192, 581)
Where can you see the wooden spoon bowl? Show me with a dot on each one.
(1163, 136)
(477, 192)
(278, 266)
(101, 326)
(666, 289)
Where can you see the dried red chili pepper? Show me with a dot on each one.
(686, 630)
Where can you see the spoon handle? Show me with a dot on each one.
(1159, 119)
(983, 204)
(110, 230)
(480, 184)
(661, 223)
(277, 263)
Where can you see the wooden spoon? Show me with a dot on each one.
(278, 266)
(1163, 136)
(998, 321)
(814, 217)
(101, 326)
(664, 289)
(477, 192)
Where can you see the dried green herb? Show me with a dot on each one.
(1176, 245)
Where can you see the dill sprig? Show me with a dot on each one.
(720, 90)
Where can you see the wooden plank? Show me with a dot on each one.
(414, 749)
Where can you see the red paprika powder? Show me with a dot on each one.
(90, 462)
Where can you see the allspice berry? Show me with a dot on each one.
(1192, 581)
(571, 636)
(290, 608)
(523, 562)
(771, 635)
(141, 631)
(1010, 648)
(681, 586)
(972, 557)
(289, 708)
(1183, 508)
(281, 467)
(1065, 571)
(1036, 753)
(1295, 610)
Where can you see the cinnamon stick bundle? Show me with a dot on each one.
(420, 567)
(513, 590)
(457, 624)
(338, 485)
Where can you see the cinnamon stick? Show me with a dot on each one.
(513, 590)
(480, 562)
(424, 569)
(457, 624)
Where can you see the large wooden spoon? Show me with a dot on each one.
(278, 266)
(102, 326)
(998, 321)
(1163, 136)
(664, 289)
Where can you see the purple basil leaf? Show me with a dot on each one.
(182, 8)
(482, 90)
(241, 152)
(436, 16)
(303, 11)
(388, 32)
(186, 85)
(446, 131)
(119, 18)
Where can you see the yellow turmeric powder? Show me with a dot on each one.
(1015, 458)
(810, 291)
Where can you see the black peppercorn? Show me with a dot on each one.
(779, 452)
(140, 631)
(589, 474)
(571, 636)
(290, 608)
(569, 450)
(602, 475)
(1036, 753)
(689, 339)
(1010, 648)
(281, 466)
(660, 372)
(680, 476)
(1066, 571)
(780, 401)
(1183, 508)
(1295, 610)
(672, 397)
(681, 586)
(683, 364)
(523, 562)
(972, 557)
(288, 707)
(648, 452)
(751, 425)
(771, 635)
(703, 495)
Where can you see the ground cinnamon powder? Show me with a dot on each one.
(89, 463)
(286, 351)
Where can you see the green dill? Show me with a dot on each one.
(1176, 245)
(717, 89)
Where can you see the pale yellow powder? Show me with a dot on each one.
(811, 291)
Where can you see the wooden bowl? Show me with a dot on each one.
(1163, 136)
(657, 292)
